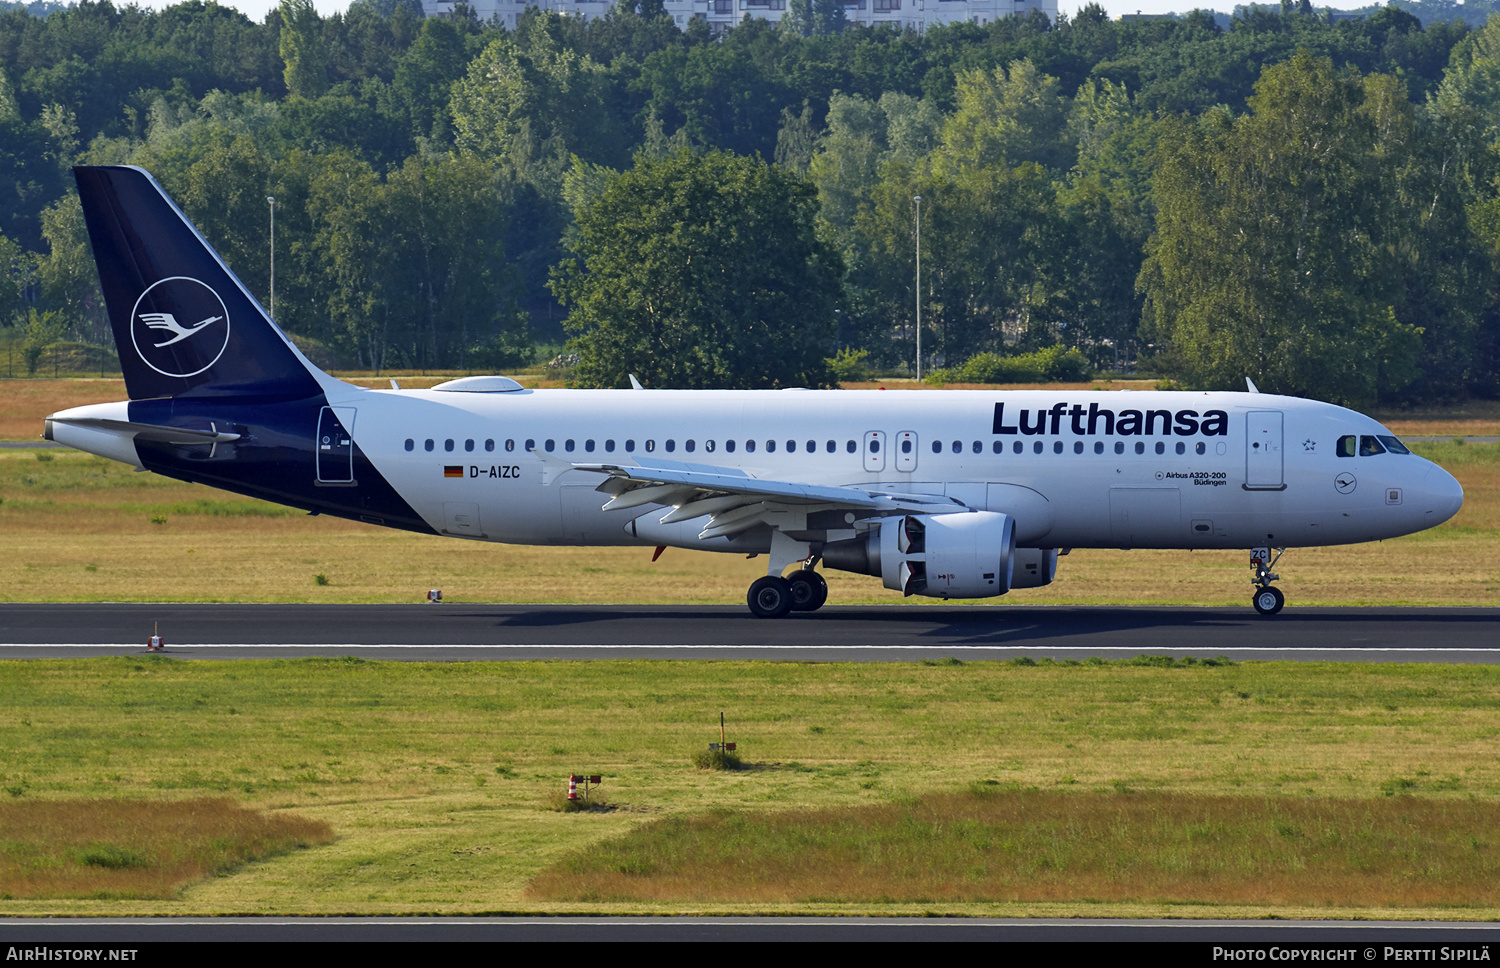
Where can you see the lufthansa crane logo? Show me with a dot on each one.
(179, 327)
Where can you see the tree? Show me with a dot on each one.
(700, 272)
(1272, 256)
(304, 49)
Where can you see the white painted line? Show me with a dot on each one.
(968, 649)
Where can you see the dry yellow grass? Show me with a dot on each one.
(136, 849)
(82, 530)
(1038, 846)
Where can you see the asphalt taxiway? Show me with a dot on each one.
(863, 633)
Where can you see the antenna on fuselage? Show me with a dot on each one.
(1250, 385)
(635, 384)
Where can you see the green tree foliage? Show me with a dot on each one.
(988, 237)
(304, 49)
(1007, 116)
(1273, 256)
(418, 264)
(702, 271)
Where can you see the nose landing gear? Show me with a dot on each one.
(1267, 599)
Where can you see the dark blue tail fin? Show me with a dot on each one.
(183, 323)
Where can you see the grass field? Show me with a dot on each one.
(83, 528)
(436, 778)
(993, 844)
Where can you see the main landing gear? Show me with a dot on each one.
(1267, 599)
(774, 596)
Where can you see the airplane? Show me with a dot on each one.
(952, 495)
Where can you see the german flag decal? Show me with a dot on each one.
(453, 470)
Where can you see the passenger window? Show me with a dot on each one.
(958, 447)
(469, 445)
(1098, 446)
(997, 447)
(708, 445)
(588, 445)
(812, 446)
(791, 447)
(530, 445)
(688, 446)
(411, 444)
(906, 446)
(650, 446)
(567, 446)
(874, 446)
(489, 446)
(1140, 447)
(671, 445)
(1119, 446)
(510, 445)
(1393, 445)
(1057, 447)
(833, 447)
(427, 445)
(448, 444)
(1181, 448)
(749, 446)
(609, 446)
(729, 446)
(1077, 446)
(551, 445)
(850, 447)
(1199, 447)
(937, 446)
(1369, 446)
(1017, 447)
(770, 446)
(1161, 448)
(629, 446)
(978, 447)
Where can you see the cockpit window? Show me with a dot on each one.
(1369, 446)
(1393, 445)
(1346, 446)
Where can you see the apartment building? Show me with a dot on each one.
(722, 14)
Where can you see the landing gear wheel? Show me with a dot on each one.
(770, 597)
(809, 590)
(1268, 600)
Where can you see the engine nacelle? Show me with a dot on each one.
(942, 555)
(1035, 567)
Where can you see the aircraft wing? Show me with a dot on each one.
(734, 500)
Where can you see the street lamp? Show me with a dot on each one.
(918, 200)
(271, 200)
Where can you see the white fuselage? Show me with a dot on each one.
(1268, 474)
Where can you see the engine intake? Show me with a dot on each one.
(965, 555)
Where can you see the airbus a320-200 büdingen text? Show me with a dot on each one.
(961, 494)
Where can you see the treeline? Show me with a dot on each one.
(1308, 201)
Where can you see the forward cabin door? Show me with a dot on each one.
(1264, 457)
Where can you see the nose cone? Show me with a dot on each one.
(1442, 496)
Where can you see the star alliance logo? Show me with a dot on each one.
(172, 348)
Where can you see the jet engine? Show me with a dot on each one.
(1035, 567)
(961, 555)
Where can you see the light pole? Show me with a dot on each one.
(271, 201)
(918, 200)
